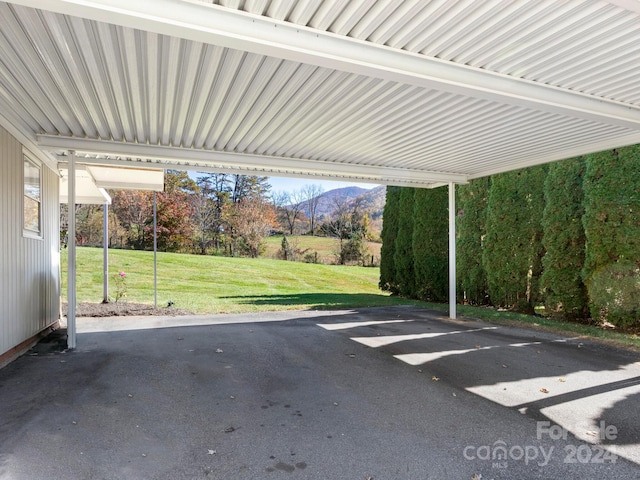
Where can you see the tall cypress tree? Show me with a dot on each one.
(388, 235)
(431, 244)
(513, 249)
(564, 240)
(612, 262)
(403, 255)
(470, 232)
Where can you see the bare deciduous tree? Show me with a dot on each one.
(290, 206)
(311, 195)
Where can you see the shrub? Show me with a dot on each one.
(470, 232)
(612, 229)
(614, 291)
(353, 250)
(431, 244)
(286, 251)
(389, 233)
(513, 251)
(404, 273)
(564, 240)
(311, 257)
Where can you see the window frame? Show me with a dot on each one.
(27, 230)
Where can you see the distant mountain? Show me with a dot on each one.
(372, 201)
(329, 200)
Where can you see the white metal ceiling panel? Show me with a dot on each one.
(387, 91)
(581, 45)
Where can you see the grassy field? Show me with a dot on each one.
(207, 284)
(326, 247)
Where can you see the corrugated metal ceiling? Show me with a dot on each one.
(587, 46)
(133, 94)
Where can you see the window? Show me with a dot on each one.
(32, 198)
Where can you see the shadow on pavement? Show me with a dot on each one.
(312, 394)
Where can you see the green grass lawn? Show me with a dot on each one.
(207, 284)
(325, 246)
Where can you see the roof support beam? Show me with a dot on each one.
(159, 156)
(207, 23)
(537, 159)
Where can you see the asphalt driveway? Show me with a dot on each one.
(382, 393)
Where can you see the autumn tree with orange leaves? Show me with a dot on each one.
(249, 222)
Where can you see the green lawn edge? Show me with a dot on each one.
(210, 285)
(545, 324)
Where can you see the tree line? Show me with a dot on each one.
(220, 214)
(564, 235)
(215, 213)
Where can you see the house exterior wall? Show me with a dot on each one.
(29, 267)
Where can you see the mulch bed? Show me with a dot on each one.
(119, 309)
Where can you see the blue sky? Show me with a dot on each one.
(279, 184)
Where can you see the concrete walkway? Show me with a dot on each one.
(382, 393)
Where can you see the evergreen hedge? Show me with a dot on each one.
(513, 249)
(583, 213)
(403, 255)
(431, 244)
(564, 240)
(471, 201)
(388, 236)
(612, 229)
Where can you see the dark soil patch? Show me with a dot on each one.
(121, 309)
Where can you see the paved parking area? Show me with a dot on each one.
(383, 393)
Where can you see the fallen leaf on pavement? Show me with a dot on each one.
(435, 379)
(561, 380)
(544, 390)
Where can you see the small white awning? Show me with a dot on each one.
(87, 192)
(93, 180)
(120, 178)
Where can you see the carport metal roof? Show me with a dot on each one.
(400, 92)
(406, 92)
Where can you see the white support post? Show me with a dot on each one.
(452, 250)
(71, 243)
(155, 251)
(105, 254)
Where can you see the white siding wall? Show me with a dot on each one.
(29, 267)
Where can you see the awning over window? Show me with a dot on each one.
(92, 182)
